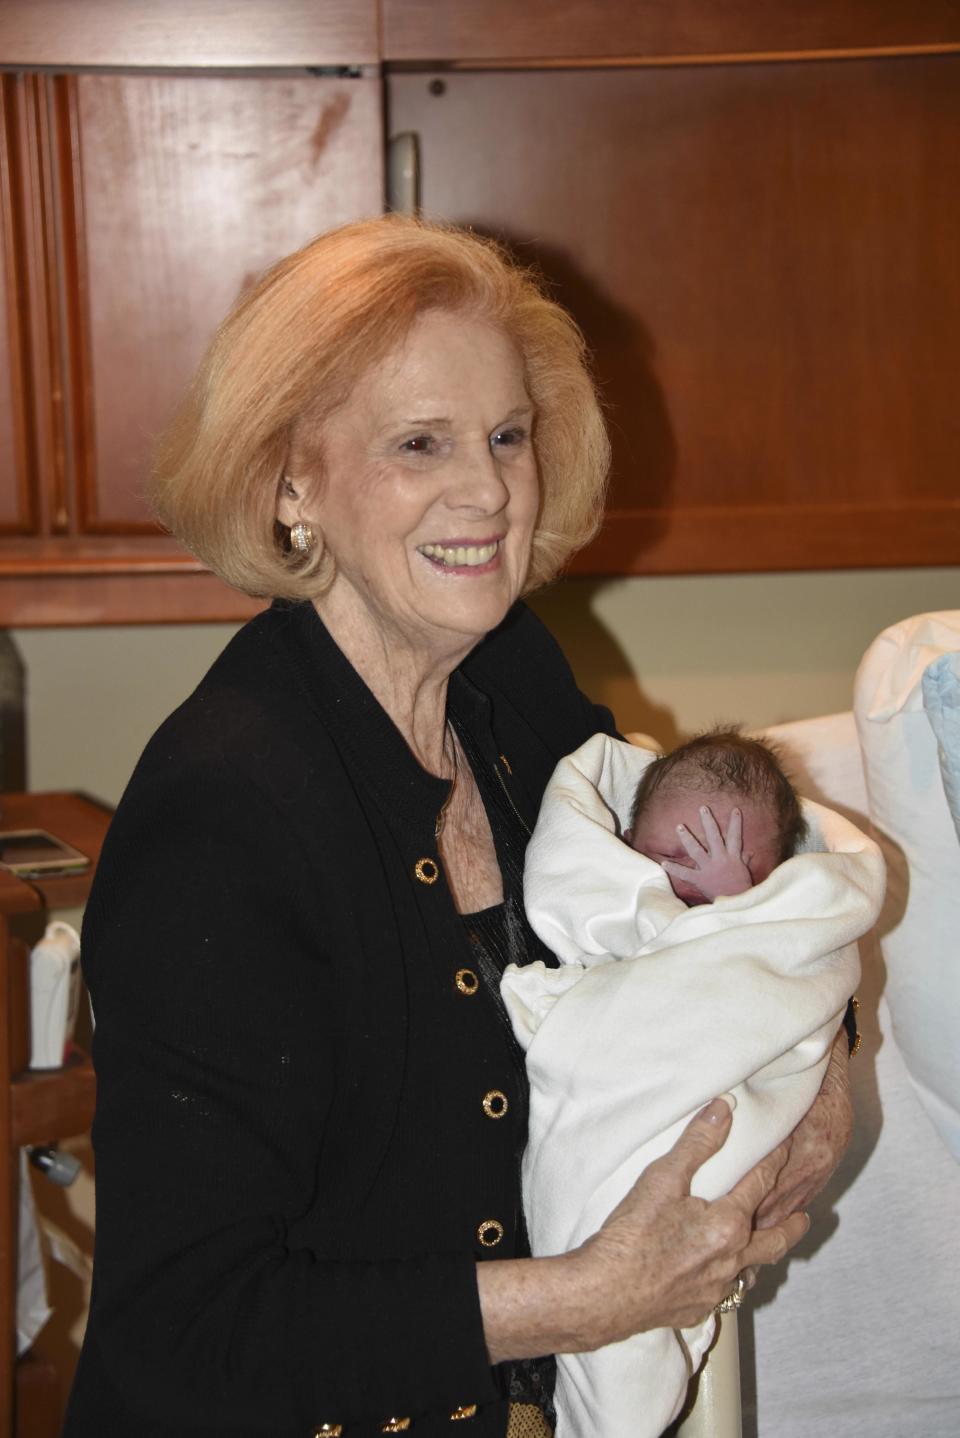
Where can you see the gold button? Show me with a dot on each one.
(490, 1233)
(426, 871)
(495, 1103)
(466, 981)
(466, 1410)
(395, 1425)
(329, 1430)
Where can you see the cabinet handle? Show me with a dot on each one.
(403, 173)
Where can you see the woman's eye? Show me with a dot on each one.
(419, 444)
(509, 438)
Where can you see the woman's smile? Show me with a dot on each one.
(466, 556)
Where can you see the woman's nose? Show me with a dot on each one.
(480, 483)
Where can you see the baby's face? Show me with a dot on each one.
(655, 833)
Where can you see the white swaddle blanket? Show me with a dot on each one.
(743, 995)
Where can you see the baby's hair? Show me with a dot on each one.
(725, 759)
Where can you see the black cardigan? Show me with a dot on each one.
(293, 1159)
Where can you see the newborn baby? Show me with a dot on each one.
(748, 817)
(714, 952)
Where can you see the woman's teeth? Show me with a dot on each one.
(461, 555)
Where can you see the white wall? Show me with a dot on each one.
(94, 697)
(668, 655)
(672, 655)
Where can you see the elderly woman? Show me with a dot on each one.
(310, 1108)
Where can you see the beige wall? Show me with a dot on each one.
(671, 656)
(668, 655)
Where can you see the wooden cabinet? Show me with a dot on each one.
(763, 259)
(752, 209)
(38, 1108)
(146, 202)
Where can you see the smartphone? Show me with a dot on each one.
(30, 852)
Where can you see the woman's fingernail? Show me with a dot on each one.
(729, 1100)
(716, 1111)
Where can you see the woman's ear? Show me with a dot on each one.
(298, 489)
(289, 502)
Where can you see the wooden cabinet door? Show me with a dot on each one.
(137, 207)
(14, 488)
(182, 190)
(764, 260)
(18, 474)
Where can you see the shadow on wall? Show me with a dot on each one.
(622, 359)
(643, 471)
(602, 669)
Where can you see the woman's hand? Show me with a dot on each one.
(663, 1259)
(816, 1145)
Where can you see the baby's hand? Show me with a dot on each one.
(719, 868)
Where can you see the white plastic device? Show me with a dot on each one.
(54, 995)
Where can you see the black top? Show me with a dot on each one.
(502, 936)
(294, 1164)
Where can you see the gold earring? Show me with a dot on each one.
(301, 537)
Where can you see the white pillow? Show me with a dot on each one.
(941, 700)
(920, 926)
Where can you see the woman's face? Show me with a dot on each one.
(429, 493)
